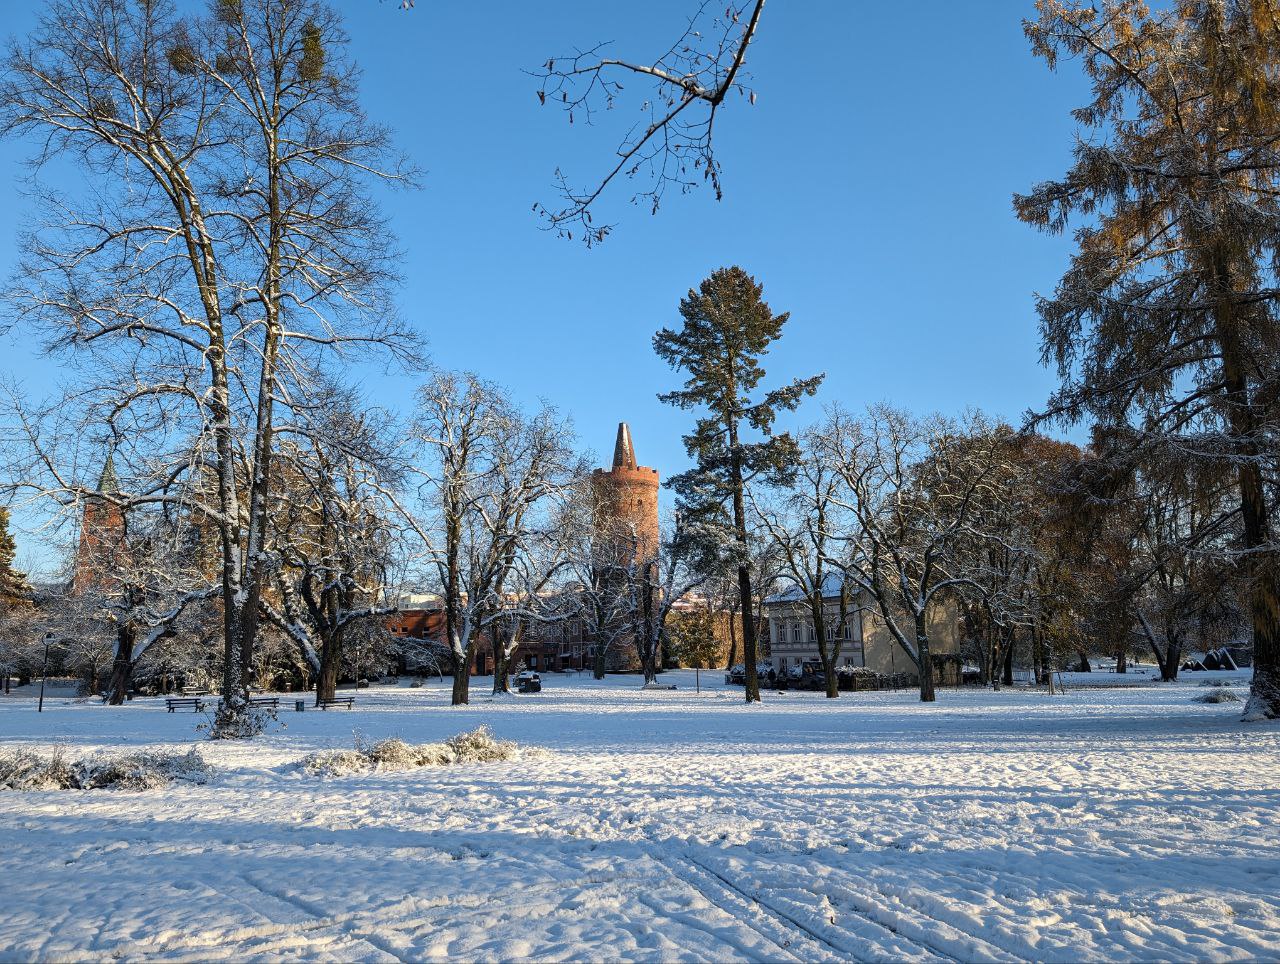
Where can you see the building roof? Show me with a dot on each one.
(624, 453)
(831, 584)
(108, 483)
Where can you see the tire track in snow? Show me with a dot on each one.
(405, 916)
(907, 920)
(749, 913)
(797, 928)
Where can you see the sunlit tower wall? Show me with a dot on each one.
(626, 505)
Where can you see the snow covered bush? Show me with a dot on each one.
(334, 763)
(240, 726)
(28, 770)
(146, 770)
(1219, 695)
(477, 746)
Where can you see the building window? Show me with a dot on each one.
(795, 632)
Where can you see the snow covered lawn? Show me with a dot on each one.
(1116, 823)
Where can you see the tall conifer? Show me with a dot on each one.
(728, 328)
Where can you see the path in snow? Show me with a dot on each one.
(1126, 823)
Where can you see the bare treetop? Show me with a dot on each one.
(681, 92)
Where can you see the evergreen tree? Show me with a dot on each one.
(1166, 317)
(13, 584)
(727, 329)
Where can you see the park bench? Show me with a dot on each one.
(271, 701)
(194, 702)
(349, 700)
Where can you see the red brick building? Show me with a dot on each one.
(99, 554)
(553, 647)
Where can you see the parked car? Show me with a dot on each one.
(527, 682)
(736, 675)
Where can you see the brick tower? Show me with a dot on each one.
(627, 504)
(102, 535)
(626, 537)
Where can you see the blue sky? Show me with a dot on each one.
(869, 189)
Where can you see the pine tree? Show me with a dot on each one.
(1166, 318)
(727, 329)
(13, 584)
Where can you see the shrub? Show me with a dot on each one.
(245, 725)
(28, 770)
(477, 746)
(145, 770)
(1219, 695)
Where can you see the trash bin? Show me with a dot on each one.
(299, 705)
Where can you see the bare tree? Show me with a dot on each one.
(330, 533)
(913, 493)
(679, 96)
(594, 591)
(488, 477)
(226, 249)
(653, 584)
(805, 527)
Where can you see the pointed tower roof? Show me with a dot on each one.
(624, 453)
(108, 483)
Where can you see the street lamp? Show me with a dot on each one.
(44, 670)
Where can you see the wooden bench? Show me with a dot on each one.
(271, 701)
(194, 702)
(349, 700)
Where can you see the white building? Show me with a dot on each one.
(864, 639)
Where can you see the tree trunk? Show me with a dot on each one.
(733, 643)
(1122, 660)
(927, 694)
(122, 665)
(749, 650)
(1008, 662)
(826, 654)
(749, 654)
(501, 670)
(462, 677)
(1260, 558)
(330, 664)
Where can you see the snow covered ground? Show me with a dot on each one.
(1125, 822)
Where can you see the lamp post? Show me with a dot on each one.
(44, 671)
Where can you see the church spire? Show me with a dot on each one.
(108, 483)
(624, 453)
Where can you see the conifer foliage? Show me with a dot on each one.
(13, 584)
(1166, 317)
(728, 327)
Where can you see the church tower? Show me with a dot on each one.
(102, 534)
(627, 503)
